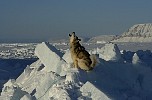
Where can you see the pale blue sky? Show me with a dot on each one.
(45, 19)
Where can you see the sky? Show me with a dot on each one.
(40, 20)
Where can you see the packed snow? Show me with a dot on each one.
(119, 75)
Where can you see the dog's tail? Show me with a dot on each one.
(94, 60)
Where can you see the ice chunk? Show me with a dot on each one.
(11, 91)
(45, 84)
(18, 94)
(89, 90)
(72, 77)
(109, 52)
(51, 58)
(57, 93)
(26, 97)
(9, 87)
(75, 75)
(67, 57)
(135, 59)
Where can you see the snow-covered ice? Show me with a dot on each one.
(135, 59)
(67, 57)
(118, 75)
(51, 58)
(109, 52)
(89, 90)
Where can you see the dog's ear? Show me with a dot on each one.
(73, 33)
(70, 35)
(79, 39)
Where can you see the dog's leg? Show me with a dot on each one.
(75, 63)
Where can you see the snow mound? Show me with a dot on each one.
(109, 52)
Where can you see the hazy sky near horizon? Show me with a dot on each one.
(50, 19)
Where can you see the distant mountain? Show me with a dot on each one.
(144, 30)
(137, 33)
(58, 40)
(66, 40)
(102, 39)
(84, 39)
(96, 39)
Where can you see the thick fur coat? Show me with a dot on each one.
(81, 58)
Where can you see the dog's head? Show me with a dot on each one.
(73, 38)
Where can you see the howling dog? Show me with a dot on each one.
(81, 58)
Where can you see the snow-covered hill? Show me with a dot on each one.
(102, 39)
(66, 40)
(137, 33)
(144, 30)
(119, 75)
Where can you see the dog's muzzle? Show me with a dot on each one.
(73, 33)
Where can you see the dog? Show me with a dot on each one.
(81, 58)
